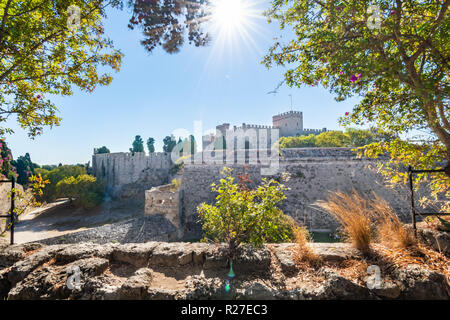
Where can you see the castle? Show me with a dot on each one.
(288, 123)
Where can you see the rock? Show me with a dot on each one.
(11, 254)
(438, 240)
(388, 290)
(255, 291)
(284, 255)
(421, 284)
(39, 285)
(216, 257)
(5, 285)
(135, 254)
(172, 254)
(83, 250)
(252, 260)
(137, 286)
(22, 268)
(335, 252)
(198, 252)
(338, 287)
(89, 267)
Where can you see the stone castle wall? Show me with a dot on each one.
(128, 176)
(313, 174)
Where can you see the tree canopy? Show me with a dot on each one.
(398, 62)
(167, 23)
(138, 145)
(44, 51)
(151, 145)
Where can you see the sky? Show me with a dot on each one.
(156, 93)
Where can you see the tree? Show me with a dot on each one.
(43, 54)
(244, 215)
(164, 22)
(6, 169)
(138, 145)
(54, 176)
(151, 145)
(169, 143)
(103, 150)
(332, 139)
(86, 191)
(24, 167)
(397, 61)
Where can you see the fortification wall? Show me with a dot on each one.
(313, 174)
(128, 175)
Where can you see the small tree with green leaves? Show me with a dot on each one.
(241, 214)
(138, 145)
(151, 145)
(103, 150)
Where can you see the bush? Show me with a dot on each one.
(86, 191)
(244, 215)
(354, 215)
(56, 175)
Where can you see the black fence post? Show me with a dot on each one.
(411, 192)
(13, 195)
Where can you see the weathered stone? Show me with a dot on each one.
(423, 284)
(255, 291)
(388, 290)
(335, 252)
(39, 285)
(90, 267)
(338, 287)
(284, 255)
(252, 260)
(438, 240)
(137, 286)
(135, 254)
(198, 252)
(216, 257)
(22, 268)
(83, 250)
(172, 254)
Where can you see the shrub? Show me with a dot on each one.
(86, 191)
(176, 184)
(55, 176)
(244, 215)
(390, 229)
(354, 215)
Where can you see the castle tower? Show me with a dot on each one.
(290, 123)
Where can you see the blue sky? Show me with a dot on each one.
(154, 94)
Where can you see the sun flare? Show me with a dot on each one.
(229, 14)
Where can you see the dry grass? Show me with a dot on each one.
(390, 230)
(303, 251)
(354, 215)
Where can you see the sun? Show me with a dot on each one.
(229, 15)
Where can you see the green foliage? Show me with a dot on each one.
(138, 145)
(151, 145)
(86, 191)
(400, 70)
(103, 150)
(350, 138)
(56, 175)
(6, 169)
(168, 23)
(42, 57)
(25, 168)
(244, 215)
(169, 143)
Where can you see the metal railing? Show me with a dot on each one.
(414, 211)
(11, 214)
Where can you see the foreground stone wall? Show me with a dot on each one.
(161, 270)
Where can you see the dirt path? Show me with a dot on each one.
(41, 224)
